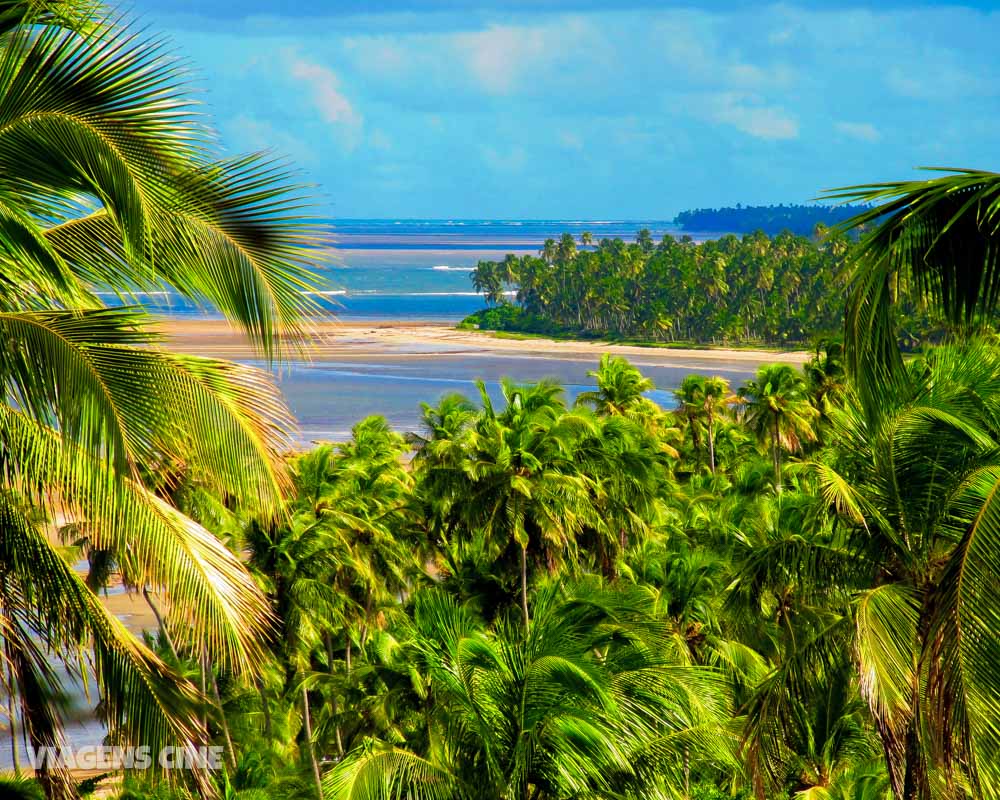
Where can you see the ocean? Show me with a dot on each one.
(418, 271)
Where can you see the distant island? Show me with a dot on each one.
(772, 220)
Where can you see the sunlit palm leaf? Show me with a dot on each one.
(216, 603)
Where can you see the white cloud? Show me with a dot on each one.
(252, 133)
(329, 100)
(570, 140)
(781, 36)
(756, 119)
(500, 55)
(936, 79)
(864, 131)
(693, 47)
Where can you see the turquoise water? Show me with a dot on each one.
(416, 270)
(327, 398)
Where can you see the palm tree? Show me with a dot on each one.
(691, 406)
(903, 580)
(108, 182)
(932, 240)
(717, 397)
(626, 466)
(645, 240)
(620, 387)
(588, 702)
(621, 390)
(915, 482)
(342, 558)
(775, 407)
(523, 487)
(824, 373)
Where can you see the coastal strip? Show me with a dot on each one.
(364, 340)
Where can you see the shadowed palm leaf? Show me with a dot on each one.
(935, 240)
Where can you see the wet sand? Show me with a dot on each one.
(364, 340)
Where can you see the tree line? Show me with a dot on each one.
(752, 289)
(771, 220)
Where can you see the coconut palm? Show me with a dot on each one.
(825, 374)
(585, 703)
(702, 401)
(908, 572)
(775, 407)
(629, 477)
(524, 490)
(690, 397)
(620, 388)
(717, 398)
(931, 240)
(108, 183)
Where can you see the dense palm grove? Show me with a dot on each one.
(732, 597)
(781, 589)
(750, 289)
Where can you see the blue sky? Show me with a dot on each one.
(579, 109)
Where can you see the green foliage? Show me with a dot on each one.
(786, 591)
(558, 545)
(20, 788)
(749, 289)
(785, 290)
(111, 182)
(511, 318)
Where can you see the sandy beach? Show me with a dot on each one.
(362, 340)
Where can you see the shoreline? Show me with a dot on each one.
(416, 339)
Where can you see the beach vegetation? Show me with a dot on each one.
(786, 291)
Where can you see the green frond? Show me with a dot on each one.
(886, 645)
(382, 772)
(142, 701)
(212, 600)
(963, 660)
(81, 373)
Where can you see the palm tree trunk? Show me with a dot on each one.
(15, 751)
(160, 623)
(913, 777)
(363, 636)
(307, 722)
(776, 455)
(711, 442)
(328, 641)
(230, 751)
(524, 584)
